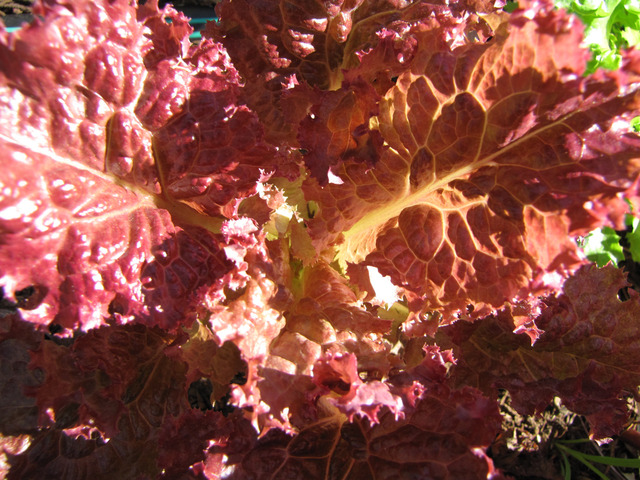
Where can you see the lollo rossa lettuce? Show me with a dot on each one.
(313, 245)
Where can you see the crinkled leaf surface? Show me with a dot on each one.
(490, 155)
(437, 438)
(115, 402)
(277, 46)
(326, 343)
(587, 353)
(118, 168)
(195, 433)
(118, 376)
(18, 411)
(83, 454)
(453, 148)
(317, 41)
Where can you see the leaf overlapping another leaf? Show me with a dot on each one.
(586, 350)
(202, 213)
(287, 51)
(325, 321)
(114, 401)
(121, 168)
(422, 443)
(493, 155)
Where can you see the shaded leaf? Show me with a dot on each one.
(587, 353)
(493, 156)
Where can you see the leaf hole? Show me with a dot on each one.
(30, 298)
(199, 394)
(115, 307)
(337, 385)
(239, 378)
(55, 328)
(223, 405)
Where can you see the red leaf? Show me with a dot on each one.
(337, 129)
(19, 413)
(117, 377)
(491, 161)
(339, 374)
(196, 435)
(440, 436)
(114, 166)
(587, 354)
(227, 226)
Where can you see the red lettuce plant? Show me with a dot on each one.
(314, 245)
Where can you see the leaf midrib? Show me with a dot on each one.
(180, 212)
(380, 216)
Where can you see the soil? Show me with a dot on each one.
(527, 449)
(15, 7)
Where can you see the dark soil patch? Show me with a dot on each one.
(528, 447)
(15, 7)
